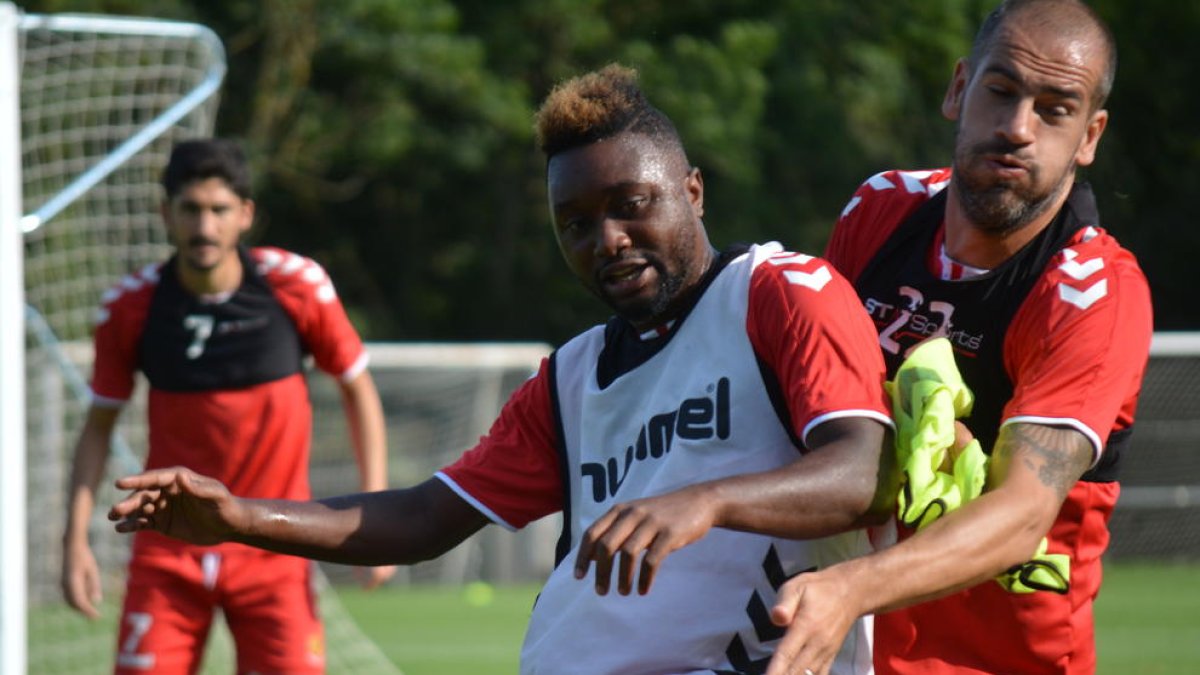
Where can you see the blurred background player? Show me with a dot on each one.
(732, 409)
(1051, 323)
(220, 332)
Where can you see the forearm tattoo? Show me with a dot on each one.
(1057, 456)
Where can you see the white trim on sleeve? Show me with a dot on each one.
(106, 402)
(1097, 447)
(356, 368)
(838, 414)
(458, 490)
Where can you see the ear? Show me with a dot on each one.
(247, 216)
(952, 103)
(694, 185)
(1086, 153)
(164, 212)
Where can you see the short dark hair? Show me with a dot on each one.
(207, 158)
(600, 105)
(1074, 10)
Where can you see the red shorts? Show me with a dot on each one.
(267, 600)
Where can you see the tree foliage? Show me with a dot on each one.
(393, 139)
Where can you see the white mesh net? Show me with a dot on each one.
(102, 102)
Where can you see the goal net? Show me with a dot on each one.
(102, 101)
(1158, 514)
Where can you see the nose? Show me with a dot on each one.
(206, 221)
(611, 238)
(1017, 127)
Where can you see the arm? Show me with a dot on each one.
(807, 327)
(373, 528)
(839, 485)
(1032, 469)
(365, 419)
(80, 573)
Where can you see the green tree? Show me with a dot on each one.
(393, 139)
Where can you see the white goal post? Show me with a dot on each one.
(90, 107)
(12, 355)
(83, 100)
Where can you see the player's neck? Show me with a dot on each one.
(223, 279)
(970, 244)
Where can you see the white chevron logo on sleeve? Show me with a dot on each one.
(854, 201)
(790, 259)
(1080, 271)
(1086, 298)
(912, 180)
(880, 182)
(814, 280)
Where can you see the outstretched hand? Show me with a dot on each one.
(647, 529)
(179, 503)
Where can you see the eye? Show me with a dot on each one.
(999, 91)
(572, 225)
(631, 206)
(1055, 111)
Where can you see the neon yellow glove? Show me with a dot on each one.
(928, 394)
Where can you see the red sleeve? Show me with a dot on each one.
(1078, 346)
(875, 210)
(306, 292)
(806, 323)
(513, 475)
(117, 331)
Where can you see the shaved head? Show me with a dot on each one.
(1070, 19)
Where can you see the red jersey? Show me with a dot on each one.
(824, 368)
(1072, 352)
(771, 346)
(227, 395)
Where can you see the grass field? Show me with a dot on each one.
(1148, 623)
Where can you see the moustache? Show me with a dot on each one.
(999, 147)
(201, 241)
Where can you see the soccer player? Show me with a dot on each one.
(698, 444)
(1050, 320)
(219, 331)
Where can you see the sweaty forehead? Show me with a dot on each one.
(1048, 47)
(626, 158)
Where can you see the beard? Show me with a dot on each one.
(647, 311)
(672, 281)
(999, 206)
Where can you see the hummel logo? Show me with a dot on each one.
(1083, 299)
(814, 280)
(1080, 271)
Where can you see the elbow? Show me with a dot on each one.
(1029, 521)
(868, 502)
(1026, 539)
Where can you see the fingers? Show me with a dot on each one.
(817, 612)
(153, 479)
(789, 657)
(371, 578)
(620, 535)
(140, 503)
(583, 558)
(796, 655)
(787, 601)
(83, 597)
